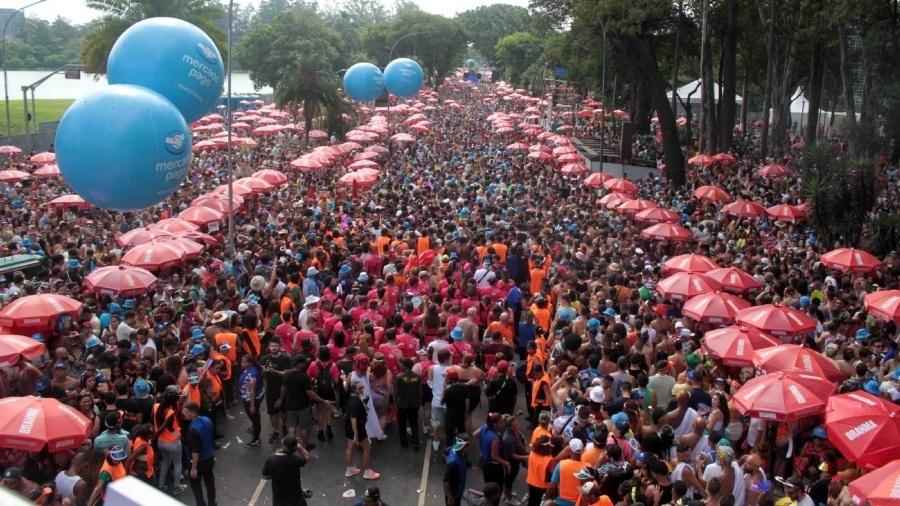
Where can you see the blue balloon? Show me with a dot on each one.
(123, 147)
(363, 82)
(403, 77)
(173, 58)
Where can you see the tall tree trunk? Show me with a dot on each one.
(707, 97)
(814, 89)
(677, 52)
(729, 84)
(770, 75)
(745, 99)
(638, 48)
(643, 106)
(846, 77)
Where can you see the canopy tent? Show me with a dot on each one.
(693, 89)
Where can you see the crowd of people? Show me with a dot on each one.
(472, 299)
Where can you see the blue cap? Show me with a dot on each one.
(38, 337)
(862, 334)
(871, 386)
(819, 433)
(92, 342)
(312, 271)
(197, 350)
(619, 417)
(114, 308)
(196, 333)
(73, 264)
(804, 301)
(609, 312)
(454, 255)
(457, 333)
(345, 269)
(128, 304)
(641, 457)
(26, 243)
(141, 388)
(593, 323)
(298, 256)
(363, 277)
(117, 453)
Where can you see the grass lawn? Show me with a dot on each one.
(47, 110)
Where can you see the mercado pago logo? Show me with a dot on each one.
(176, 144)
(201, 72)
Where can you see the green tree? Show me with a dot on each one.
(436, 42)
(298, 55)
(44, 45)
(120, 14)
(515, 53)
(485, 25)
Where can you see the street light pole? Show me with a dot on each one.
(391, 54)
(603, 95)
(5, 78)
(230, 163)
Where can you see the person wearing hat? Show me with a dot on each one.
(455, 466)
(113, 435)
(501, 391)
(306, 317)
(564, 484)
(113, 469)
(371, 497)
(282, 469)
(539, 469)
(312, 287)
(13, 480)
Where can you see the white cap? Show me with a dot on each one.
(576, 445)
(242, 307)
(596, 395)
(588, 487)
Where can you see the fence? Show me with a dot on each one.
(42, 140)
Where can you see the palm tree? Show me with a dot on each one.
(120, 14)
(307, 84)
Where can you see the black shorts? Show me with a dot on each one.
(270, 403)
(427, 395)
(474, 398)
(363, 435)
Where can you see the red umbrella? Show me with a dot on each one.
(402, 137)
(724, 158)
(199, 237)
(773, 170)
(864, 428)
(734, 280)
(256, 184)
(851, 260)
(618, 184)
(540, 147)
(712, 194)
(31, 423)
(37, 312)
(714, 308)
(13, 176)
(359, 177)
(655, 215)
(141, 236)
(217, 202)
(689, 263)
(785, 212)
(120, 280)
(635, 206)
(540, 155)
(306, 164)
(778, 320)
(569, 158)
(684, 285)
(236, 189)
(735, 345)
(175, 225)
(744, 209)
(879, 487)
(564, 150)
(596, 179)
(14, 347)
(363, 164)
(884, 305)
(49, 171)
(273, 177)
(517, 146)
(190, 248)
(9, 150)
(369, 154)
(43, 158)
(318, 135)
(702, 160)
(154, 256)
(574, 169)
(780, 396)
(796, 358)
(667, 232)
(67, 201)
(613, 196)
(346, 147)
(202, 215)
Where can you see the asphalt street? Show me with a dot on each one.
(408, 478)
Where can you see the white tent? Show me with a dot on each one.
(694, 87)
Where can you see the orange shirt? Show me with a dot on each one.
(543, 316)
(500, 249)
(538, 432)
(506, 331)
(422, 244)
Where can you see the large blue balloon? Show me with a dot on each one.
(403, 77)
(363, 82)
(123, 147)
(173, 58)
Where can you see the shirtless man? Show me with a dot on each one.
(473, 377)
(682, 417)
(470, 328)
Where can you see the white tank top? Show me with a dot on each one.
(438, 378)
(65, 485)
(677, 475)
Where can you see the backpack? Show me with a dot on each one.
(325, 387)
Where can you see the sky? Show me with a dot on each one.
(77, 12)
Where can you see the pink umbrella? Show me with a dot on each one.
(712, 194)
(620, 185)
(569, 158)
(256, 184)
(43, 158)
(175, 225)
(689, 263)
(540, 156)
(402, 137)
(318, 135)
(140, 236)
(785, 212)
(634, 206)
(667, 232)
(306, 164)
(217, 202)
(67, 201)
(684, 285)
(657, 215)
(777, 320)
(273, 177)
(49, 171)
(120, 281)
(13, 176)
(773, 170)
(851, 260)
(884, 305)
(236, 189)
(363, 164)
(517, 146)
(574, 169)
(201, 215)
(154, 256)
(359, 177)
(714, 308)
(702, 160)
(596, 179)
(734, 280)
(724, 158)
(9, 150)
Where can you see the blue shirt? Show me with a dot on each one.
(249, 374)
(526, 333)
(456, 462)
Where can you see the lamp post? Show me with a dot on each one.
(230, 163)
(603, 95)
(391, 54)
(5, 78)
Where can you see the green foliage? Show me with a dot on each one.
(436, 42)
(515, 53)
(44, 45)
(485, 25)
(120, 14)
(885, 234)
(840, 192)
